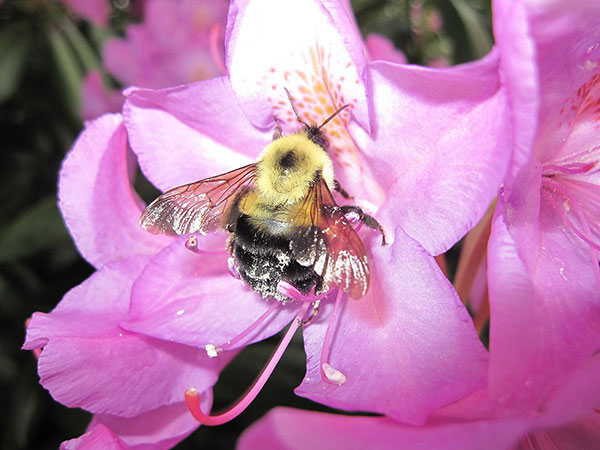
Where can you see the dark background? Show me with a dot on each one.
(45, 51)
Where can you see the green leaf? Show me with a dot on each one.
(38, 228)
(15, 43)
(479, 36)
(68, 69)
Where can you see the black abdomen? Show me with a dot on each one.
(264, 259)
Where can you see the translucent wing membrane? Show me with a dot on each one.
(325, 238)
(201, 206)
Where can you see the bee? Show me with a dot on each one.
(283, 221)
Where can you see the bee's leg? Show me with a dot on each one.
(341, 190)
(365, 219)
(277, 132)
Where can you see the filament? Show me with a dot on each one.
(251, 328)
(192, 396)
(328, 335)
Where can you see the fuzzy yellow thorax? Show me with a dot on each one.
(287, 168)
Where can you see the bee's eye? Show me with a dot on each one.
(288, 160)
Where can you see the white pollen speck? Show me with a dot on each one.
(333, 375)
(211, 350)
(562, 273)
(180, 312)
(120, 334)
(566, 205)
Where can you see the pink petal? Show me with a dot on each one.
(310, 45)
(407, 348)
(163, 427)
(96, 199)
(94, 10)
(88, 361)
(545, 307)
(285, 428)
(441, 147)
(519, 74)
(193, 299)
(187, 133)
(379, 47)
(97, 99)
(97, 437)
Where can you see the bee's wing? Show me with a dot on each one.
(325, 238)
(198, 206)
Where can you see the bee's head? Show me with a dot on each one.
(289, 166)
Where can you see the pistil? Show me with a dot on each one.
(192, 396)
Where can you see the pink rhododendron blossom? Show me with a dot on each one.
(543, 389)
(97, 98)
(132, 382)
(95, 11)
(543, 268)
(177, 43)
(411, 135)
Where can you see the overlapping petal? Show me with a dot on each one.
(191, 132)
(96, 198)
(97, 437)
(193, 299)
(161, 428)
(407, 348)
(88, 361)
(441, 146)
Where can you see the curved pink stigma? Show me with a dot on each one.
(192, 397)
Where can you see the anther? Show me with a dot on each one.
(212, 350)
(333, 375)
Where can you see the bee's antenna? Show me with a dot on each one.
(294, 108)
(333, 115)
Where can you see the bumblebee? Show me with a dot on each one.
(283, 221)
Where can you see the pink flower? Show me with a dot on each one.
(177, 43)
(423, 148)
(543, 389)
(95, 11)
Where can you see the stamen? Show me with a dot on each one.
(572, 168)
(326, 342)
(561, 210)
(333, 375)
(192, 397)
(250, 329)
(285, 288)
